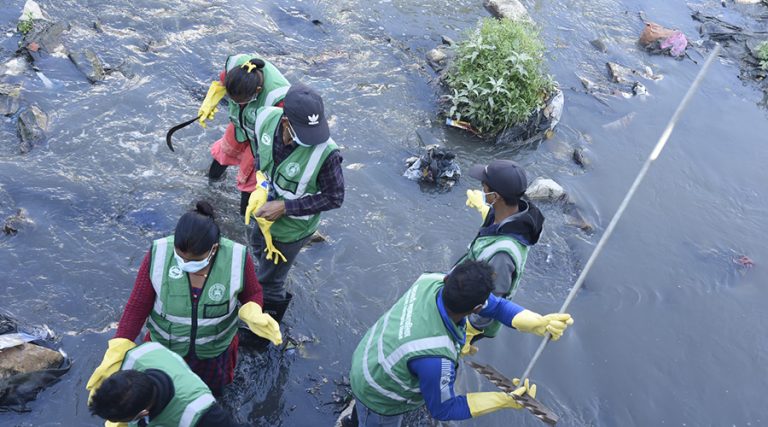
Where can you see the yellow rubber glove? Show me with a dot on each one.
(468, 349)
(535, 323)
(487, 402)
(255, 201)
(209, 108)
(261, 324)
(475, 201)
(111, 424)
(113, 359)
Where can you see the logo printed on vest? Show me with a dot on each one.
(216, 293)
(266, 139)
(292, 169)
(175, 272)
(313, 119)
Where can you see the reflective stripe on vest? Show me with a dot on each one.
(275, 95)
(488, 252)
(412, 328)
(191, 397)
(232, 61)
(235, 278)
(141, 350)
(309, 171)
(194, 408)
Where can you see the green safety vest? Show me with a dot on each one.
(175, 322)
(274, 88)
(191, 398)
(412, 328)
(484, 248)
(293, 178)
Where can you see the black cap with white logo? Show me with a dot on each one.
(504, 177)
(304, 109)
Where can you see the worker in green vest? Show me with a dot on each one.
(249, 82)
(191, 291)
(302, 167)
(511, 225)
(155, 387)
(409, 357)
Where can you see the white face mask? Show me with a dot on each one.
(295, 136)
(485, 201)
(192, 266)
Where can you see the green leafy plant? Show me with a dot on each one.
(762, 54)
(25, 25)
(496, 79)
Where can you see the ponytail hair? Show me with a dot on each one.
(246, 81)
(197, 231)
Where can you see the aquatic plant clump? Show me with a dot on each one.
(762, 54)
(496, 80)
(25, 24)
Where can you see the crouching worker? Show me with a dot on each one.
(154, 387)
(409, 357)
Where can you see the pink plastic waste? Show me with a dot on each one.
(676, 43)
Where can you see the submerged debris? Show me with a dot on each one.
(16, 222)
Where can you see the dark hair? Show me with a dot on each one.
(468, 285)
(122, 396)
(241, 84)
(197, 231)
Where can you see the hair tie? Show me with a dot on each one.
(249, 66)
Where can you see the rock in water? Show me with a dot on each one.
(436, 55)
(545, 189)
(89, 64)
(14, 223)
(46, 36)
(580, 157)
(599, 45)
(510, 9)
(27, 358)
(31, 124)
(9, 99)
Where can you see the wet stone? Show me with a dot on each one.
(599, 45)
(436, 55)
(9, 99)
(510, 9)
(89, 63)
(31, 125)
(580, 157)
(545, 189)
(45, 35)
(447, 40)
(27, 358)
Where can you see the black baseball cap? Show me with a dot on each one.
(304, 109)
(504, 177)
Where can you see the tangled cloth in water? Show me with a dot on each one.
(17, 390)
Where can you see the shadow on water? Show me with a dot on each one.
(667, 327)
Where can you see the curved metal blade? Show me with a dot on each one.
(174, 129)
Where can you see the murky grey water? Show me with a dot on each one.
(670, 331)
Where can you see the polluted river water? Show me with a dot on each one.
(669, 327)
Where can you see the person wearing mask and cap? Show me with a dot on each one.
(190, 291)
(301, 168)
(249, 82)
(511, 225)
